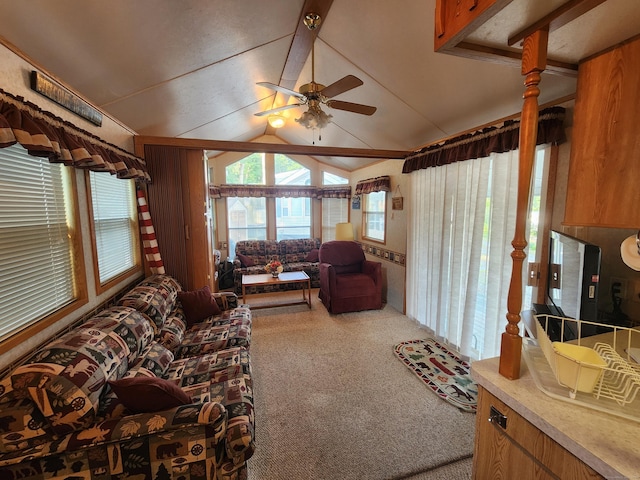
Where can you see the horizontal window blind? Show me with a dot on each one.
(334, 210)
(36, 258)
(113, 209)
(374, 215)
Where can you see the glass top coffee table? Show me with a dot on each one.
(284, 277)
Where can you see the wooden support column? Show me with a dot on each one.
(534, 57)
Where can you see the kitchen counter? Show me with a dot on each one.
(608, 444)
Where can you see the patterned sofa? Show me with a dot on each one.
(295, 255)
(144, 390)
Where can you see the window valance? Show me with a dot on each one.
(273, 191)
(378, 184)
(334, 191)
(489, 140)
(43, 134)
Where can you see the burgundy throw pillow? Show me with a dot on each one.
(312, 256)
(245, 261)
(198, 305)
(148, 394)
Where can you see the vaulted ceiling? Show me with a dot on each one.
(189, 68)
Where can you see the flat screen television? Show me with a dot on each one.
(574, 278)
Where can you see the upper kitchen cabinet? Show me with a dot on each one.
(493, 30)
(595, 40)
(604, 176)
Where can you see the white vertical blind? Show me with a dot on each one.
(461, 222)
(36, 258)
(113, 218)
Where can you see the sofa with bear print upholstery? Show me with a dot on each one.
(157, 387)
(296, 255)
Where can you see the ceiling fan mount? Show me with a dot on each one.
(312, 20)
(312, 90)
(315, 94)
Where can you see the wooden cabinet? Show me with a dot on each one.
(517, 449)
(177, 199)
(454, 19)
(604, 173)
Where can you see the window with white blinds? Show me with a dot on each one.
(114, 223)
(374, 212)
(36, 256)
(334, 210)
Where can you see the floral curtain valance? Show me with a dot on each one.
(334, 191)
(43, 134)
(482, 143)
(273, 191)
(378, 184)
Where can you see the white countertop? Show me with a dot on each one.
(607, 443)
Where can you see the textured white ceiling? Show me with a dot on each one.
(189, 68)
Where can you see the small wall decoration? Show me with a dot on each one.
(355, 202)
(397, 200)
(70, 101)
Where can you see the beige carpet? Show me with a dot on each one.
(333, 402)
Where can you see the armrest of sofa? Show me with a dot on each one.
(226, 300)
(211, 414)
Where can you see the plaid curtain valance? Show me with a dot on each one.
(378, 184)
(273, 191)
(43, 134)
(489, 140)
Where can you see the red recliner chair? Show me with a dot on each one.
(348, 282)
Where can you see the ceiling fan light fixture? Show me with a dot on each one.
(276, 121)
(314, 118)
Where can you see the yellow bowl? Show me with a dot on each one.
(577, 367)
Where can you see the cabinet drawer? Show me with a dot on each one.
(508, 446)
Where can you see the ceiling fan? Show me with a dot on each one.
(315, 94)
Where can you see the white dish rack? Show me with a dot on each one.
(617, 387)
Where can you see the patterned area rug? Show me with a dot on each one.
(447, 375)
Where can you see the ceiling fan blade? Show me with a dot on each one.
(352, 107)
(341, 86)
(279, 109)
(284, 90)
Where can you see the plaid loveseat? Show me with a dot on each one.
(296, 255)
(60, 416)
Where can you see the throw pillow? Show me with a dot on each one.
(148, 394)
(198, 305)
(312, 256)
(245, 261)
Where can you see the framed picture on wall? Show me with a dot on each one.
(355, 202)
(397, 200)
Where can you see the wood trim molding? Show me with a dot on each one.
(562, 15)
(509, 57)
(141, 140)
